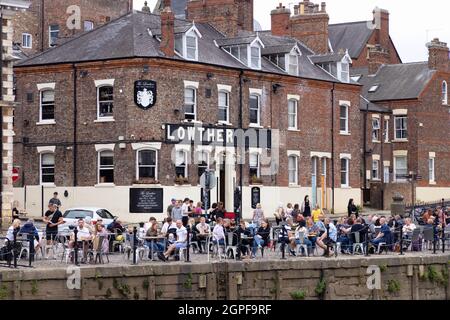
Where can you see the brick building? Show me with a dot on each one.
(50, 22)
(89, 125)
(7, 10)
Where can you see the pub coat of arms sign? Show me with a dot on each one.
(145, 93)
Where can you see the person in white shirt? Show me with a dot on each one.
(204, 231)
(84, 235)
(180, 243)
(409, 226)
(169, 224)
(185, 211)
(218, 232)
(148, 224)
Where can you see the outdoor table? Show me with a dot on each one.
(153, 240)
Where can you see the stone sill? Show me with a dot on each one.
(345, 133)
(46, 122)
(146, 185)
(104, 185)
(48, 185)
(104, 120)
(400, 140)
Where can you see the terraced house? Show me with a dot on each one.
(102, 114)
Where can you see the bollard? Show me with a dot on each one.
(367, 241)
(31, 249)
(134, 245)
(401, 240)
(434, 238)
(14, 250)
(283, 243)
(327, 251)
(239, 242)
(75, 237)
(443, 238)
(188, 244)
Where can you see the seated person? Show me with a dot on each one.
(84, 236)
(408, 227)
(180, 243)
(100, 231)
(327, 239)
(285, 233)
(384, 235)
(156, 245)
(203, 232)
(344, 228)
(301, 230)
(262, 236)
(242, 232)
(168, 224)
(218, 232)
(29, 229)
(313, 231)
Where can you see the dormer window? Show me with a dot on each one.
(186, 44)
(286, 61)
(336, 64)
(248, 53)
(345, 72)
(256, 57)
(293, 64)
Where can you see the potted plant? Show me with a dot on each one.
(255, 180)
(146, 181)
(180, 180)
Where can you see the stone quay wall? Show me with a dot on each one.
(401, 278)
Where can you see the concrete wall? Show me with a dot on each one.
(116, 199)
(268, 280)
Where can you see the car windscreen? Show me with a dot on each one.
(105, 214)
(77, 214)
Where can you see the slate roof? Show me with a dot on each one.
(131, 36)
(331, 57)
(397, 81)
(372, 107)
(352, 36)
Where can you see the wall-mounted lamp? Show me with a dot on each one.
(66, 193)
(276, 86)
(209, 75)
(83, 74)
(176, 111)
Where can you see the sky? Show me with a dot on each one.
(413, 23)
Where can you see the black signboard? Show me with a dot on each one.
(145, 93)
(146, 200)
(256, 196)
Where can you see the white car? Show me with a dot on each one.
(72, 215)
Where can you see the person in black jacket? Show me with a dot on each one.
(262, 237)
(241, 232)
(351, 208)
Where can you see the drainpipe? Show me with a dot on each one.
(241, 97)
(75, 111)
(42, 24)
(332, 148)
(366, 112)
(1, 118)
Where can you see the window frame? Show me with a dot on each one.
(347, 172)
(346, 131)
(201, 152)
(432, 170)
(386, 174)
(344, 72)
(109, 167)
(28, 36)
(251, 56)
(258, 97)
(186, 165)
(293, 114)
(41, 156)
(193, 35)
(258, 165)
(50, 31)
(41, 93)
(138, 166)
(289, 63)
(396, 179)
(386, 130)
(224, 107)
(295, 183)
(376, 130)
(403, 130)
(194, 104)
(99, 117)
(444, 93)
(376, 170)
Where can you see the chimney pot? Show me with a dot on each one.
(324, 6)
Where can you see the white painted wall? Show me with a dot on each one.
(116, 199)
(429, 194)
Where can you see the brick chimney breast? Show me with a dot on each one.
(167, 30)
(438, 55)
(280, 21)
(377, 56)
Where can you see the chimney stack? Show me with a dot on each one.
(381, 23)
(377, 56)
(280, 21)
(438, 55)
(167, 30)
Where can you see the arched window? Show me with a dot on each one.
(106, 166)
(444, 92)
(293, 170)
(147, 164)
(47, 168)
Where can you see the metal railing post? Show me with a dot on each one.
(31, 253)
(75, 236)
(401, 240)
(14, 249)
(188, 244)
(134, 245)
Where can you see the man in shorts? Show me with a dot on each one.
(180, 243)
(53, 218)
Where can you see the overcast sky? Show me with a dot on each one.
(412, 23)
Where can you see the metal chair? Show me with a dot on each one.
(229, 248)
(358, 244)
(98, 252)
(302, 245)
(428, 237)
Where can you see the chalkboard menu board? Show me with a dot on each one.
(256, 196)
(146, 200)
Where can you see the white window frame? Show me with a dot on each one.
(225, 107)
(432, 169)
(386, 130)
(99, 117)
(386, 174)
(295, 157)
(194, 89)
(46, 121)
(250, 57)
(444, 93)
(288, 62)
(293, 114)
(344, 75)
(375, 169)
(258, 96)
(197, 159)
(376, 128)
(186, 162)
(41, 155)
(405, 129)
(29, 43)
(99, 167)
(346, 131)
(395, 168)
(50, 31)
(193, 35)
(347, 172)
(137, 162)
(258, 163)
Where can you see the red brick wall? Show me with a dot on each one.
(314, 123)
